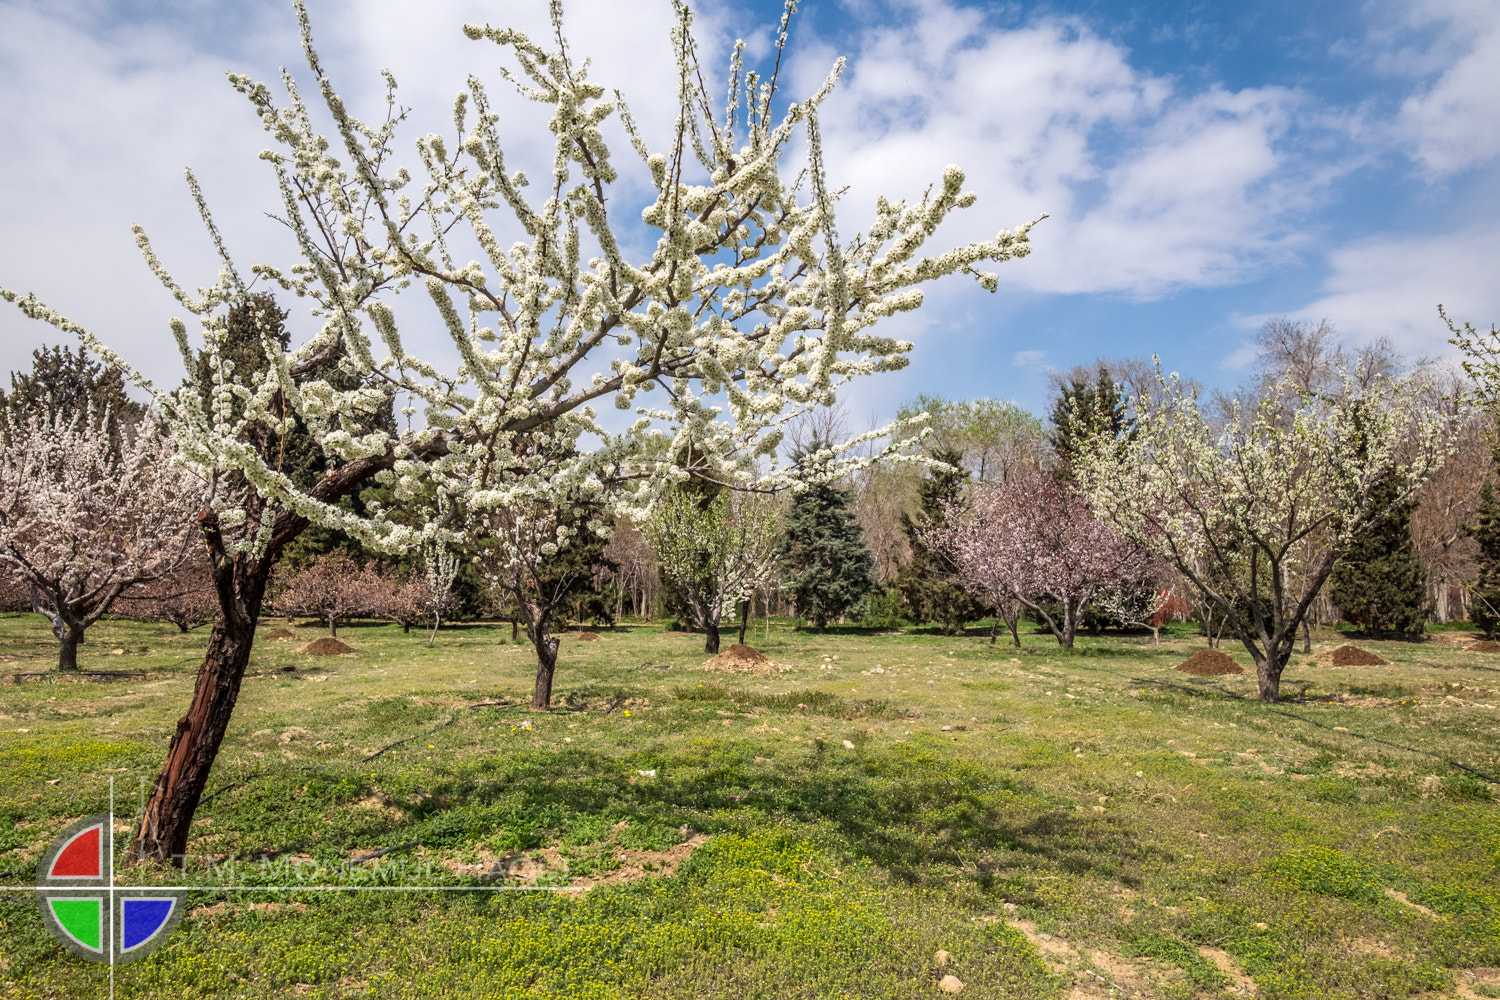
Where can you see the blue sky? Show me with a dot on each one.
(1204, 165)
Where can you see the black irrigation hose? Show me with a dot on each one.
(398, 743)
(1313, 722)
(381, 854)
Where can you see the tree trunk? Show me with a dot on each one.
(711, 636)
(1015, 629)
(333, 626)
(163, 832)
(995, 630)
(744, 619)
(69, 638)
(546, 665)
(1268, 677)
(1306, 638)
(1376, 632)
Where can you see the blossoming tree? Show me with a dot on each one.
(1252, 512)
(747, 311)
(83, 518)
(1035, 540)
(716, 552)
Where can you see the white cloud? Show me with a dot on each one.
(1149, 188)
(1032, 361)
(1391, 286)
(1452, 47)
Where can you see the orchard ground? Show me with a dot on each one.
(1061, 824)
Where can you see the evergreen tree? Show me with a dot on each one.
(927, 581)
(69, 385)
(1378, 582)
(826, 565)
(1084, 412)
(1485, 530)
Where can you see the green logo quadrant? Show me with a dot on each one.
(82, 918)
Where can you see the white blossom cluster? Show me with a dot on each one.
(748, 312)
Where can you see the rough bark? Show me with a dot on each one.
(711, 636)
(163, 832)
(68, 640)
(546, 659)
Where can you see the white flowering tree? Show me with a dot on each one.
(716, 552)
(747, 311)
(1252, 511)
(86, 514)
(1034, 540)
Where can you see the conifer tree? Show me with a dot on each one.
(1485, 529)
(928, 581)
(827, 567)
(1378, 582)
(1084, 412)
(70, 385)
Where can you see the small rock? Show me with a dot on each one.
(117, 652)
(951, 984)
(947, 729)
(941, 959)
(1045, 937)
(848, 745)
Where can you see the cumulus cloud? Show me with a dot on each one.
(1391, 287)
(1452, 48)
(1150, 188)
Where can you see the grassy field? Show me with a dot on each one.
(1061, 824)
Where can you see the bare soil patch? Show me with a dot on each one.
(1210, 663)
(588, 637)
(1353, 656)
(326, 646)
(281, 633)
(1483, 646)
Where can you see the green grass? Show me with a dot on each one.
(889, 796)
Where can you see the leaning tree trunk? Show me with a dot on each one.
(163, 831)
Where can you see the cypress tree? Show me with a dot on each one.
(70, 385)
(1084, 412)
(1485, 530)
(1378, 582)
(927, 582)
(826, 565)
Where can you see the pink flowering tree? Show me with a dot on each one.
(1033, 540)
(184, 597)
(84, 516)
(331, 588)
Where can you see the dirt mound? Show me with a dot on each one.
(281, 633)
(1483, 646)
(1353, 656)
(588, 637)
(742, 659)
(1210, 663)
(326, 646)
